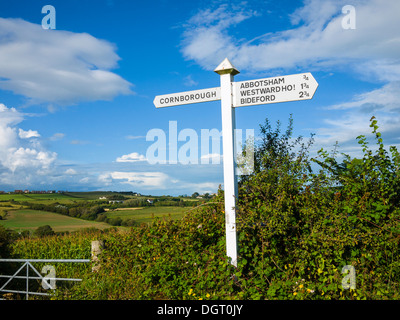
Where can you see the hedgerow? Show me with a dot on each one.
(297, 229)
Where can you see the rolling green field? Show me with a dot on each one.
(40, 198)
(31, 219)
(26, 219)
(18, 211)
(147, 214)
(33, 197)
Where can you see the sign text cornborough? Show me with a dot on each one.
(189, 97)
(195, 96)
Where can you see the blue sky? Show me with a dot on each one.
(76, 103)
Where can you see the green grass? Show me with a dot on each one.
(36, 197)
(18, 217)
(16, 197)
(147, 214)
(31, 219)
(27, 219)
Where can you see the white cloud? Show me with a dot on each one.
(84, 180)
(138, 179)
(71, 171)
(201, 187)
(189, 82)
(383, 103)
(57, 136)
(347, 127)
(132, 157)
(105, 178)
(28, 134)
(130, 137)
(28, 158)
(205, 38)
(214, 158)
(386, 98)
(21, 158)
(9, 116)
(57, 67)
(316, 40)
(79, 142)
(156, 181)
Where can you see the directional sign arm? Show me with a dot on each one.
(273, 90)
(187, 97)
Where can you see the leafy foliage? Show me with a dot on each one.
(44, 231)
(299, 229)
(5, 240)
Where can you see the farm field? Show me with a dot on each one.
(40, 198)
(74, 210)
(31, 219)
(147, 214)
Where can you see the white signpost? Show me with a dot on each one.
(238, 94)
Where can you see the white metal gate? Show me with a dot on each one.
(47, 282)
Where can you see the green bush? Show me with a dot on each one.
(114, 221)
(44, 231)
(298, 229)
(5, 240)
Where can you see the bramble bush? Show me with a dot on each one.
(297, 229)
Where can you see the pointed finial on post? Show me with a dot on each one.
(226, 67)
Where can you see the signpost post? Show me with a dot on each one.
(227, 72)
(239, 94)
